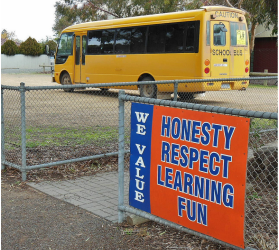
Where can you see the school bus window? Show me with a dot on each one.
(77, 49)
(107, 41)
(238, 34)
(138, 37)
(123, 41)
(84, 43)
(174, 37)
(94, 42)
(208, 33)
(219, 35)
(156, 39)
(190, 36)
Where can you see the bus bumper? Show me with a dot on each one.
(204, 86)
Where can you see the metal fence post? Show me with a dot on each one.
(121, 153)
(175, 90)
(23, 131)
(2, 131)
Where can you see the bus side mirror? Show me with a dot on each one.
(223, 27)
(47, 49)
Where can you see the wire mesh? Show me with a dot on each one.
(64, 125)
(12, 126)
(262, 183)
(261, 217)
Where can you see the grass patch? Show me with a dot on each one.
(262, 124)
(262, 86)
(254, 196)
(61, 136)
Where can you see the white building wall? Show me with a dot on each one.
(261, 31)
(23, 62)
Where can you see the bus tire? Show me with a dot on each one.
(186, 95)
(66, 80)
(148, 90)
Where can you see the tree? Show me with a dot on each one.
(7, 35)
(76, 11)
(9, 48)
(272, 18)
(61, 22)
(30, 47)
(69, 12)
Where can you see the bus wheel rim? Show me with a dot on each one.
(148, 89)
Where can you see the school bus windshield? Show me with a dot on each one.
(65, 45)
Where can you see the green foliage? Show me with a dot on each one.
(60, 136)
(30, 47)
(52, 45)
(254, 196)
(9, 48)
(146, 7)
(61, 22)
(271, 7)
(69, 12)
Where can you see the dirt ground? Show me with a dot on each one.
(35, 79)
(34, 220)
(95, 107)
(258, 99)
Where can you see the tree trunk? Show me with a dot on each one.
(252, 39)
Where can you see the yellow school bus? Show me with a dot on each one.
(211, 42)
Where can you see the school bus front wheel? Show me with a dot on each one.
(66, 80)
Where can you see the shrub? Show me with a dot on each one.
(52, 46)
(9, 48)
(30, 47)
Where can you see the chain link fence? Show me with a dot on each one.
(261, 217)
(50, 126)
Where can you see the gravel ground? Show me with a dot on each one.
(33, 220)
(258, 99)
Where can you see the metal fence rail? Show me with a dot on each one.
(30, 113)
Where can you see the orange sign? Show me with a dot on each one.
(196, 174)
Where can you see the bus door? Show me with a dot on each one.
(80, 51)
(220, 50)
